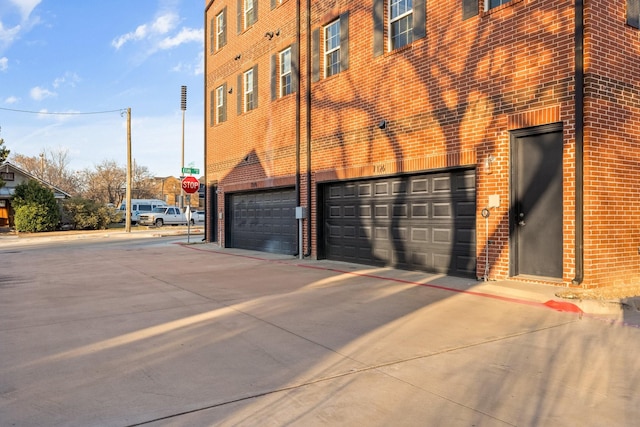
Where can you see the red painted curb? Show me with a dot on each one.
(563, 306)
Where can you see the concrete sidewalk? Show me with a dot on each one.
(148, 332)
(612, 309)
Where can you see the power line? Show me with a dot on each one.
(64, 114)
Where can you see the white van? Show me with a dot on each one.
(139, 206)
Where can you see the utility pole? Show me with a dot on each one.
(127, 221)
(183, 107)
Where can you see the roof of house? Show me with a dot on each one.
(8, 191)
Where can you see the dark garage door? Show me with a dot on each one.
(418, 222)
(263, 221)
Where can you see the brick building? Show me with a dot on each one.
(484, 138)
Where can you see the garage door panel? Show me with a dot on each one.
(422, 222)
(263, 221)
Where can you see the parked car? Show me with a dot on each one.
(139, 206)
(197, 216)
(164, 215)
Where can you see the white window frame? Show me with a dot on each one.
(329, 51)
(220, 28)
(248, 95)
(394, 19)
(285, 72)
(219, 103)
(487, 4)
(248, 11)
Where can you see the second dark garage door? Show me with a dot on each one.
(263, 221)
(418, 222)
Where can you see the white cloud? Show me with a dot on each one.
(196, 68)
(11, 100)
(26, 7)
(164, 23)
(38, 93)
(186, 35)
(199, 70)
(160, 26)
(4, 63)
(70, 79)
(9, 33)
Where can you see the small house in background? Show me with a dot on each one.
(169, 189)
(12, 177)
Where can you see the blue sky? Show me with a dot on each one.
(59, 56)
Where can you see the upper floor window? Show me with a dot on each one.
(397, 23)
(250, 13)
(221, 104)
(400, 23)
(221, 29)
(248, 91)
(633, 13)
(6, 176)
(490, 4)
(332, 48)
(285, 72)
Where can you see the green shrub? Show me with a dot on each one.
(35, 207)
(85, 214)
(33, 218)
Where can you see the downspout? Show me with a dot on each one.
(308, 127)
(213, 218)
(579, 126)
(298, 109)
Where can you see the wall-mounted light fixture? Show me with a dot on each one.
(382, 124)
(230, 90)
(488, 162)
(269, 34)
(238, 56)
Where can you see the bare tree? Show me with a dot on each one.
(105, 183)
(144, 186)
(51, 166)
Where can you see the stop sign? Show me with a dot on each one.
(190, 184)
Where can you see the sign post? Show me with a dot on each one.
(190, 185)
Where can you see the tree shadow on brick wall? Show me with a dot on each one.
(466, 84)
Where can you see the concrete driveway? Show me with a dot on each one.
(149, 332)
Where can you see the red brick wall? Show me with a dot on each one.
(450, 99)
(612, 156)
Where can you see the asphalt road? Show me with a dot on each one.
(146, 331)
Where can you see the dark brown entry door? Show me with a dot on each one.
(536, 210)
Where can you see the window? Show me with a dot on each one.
(249, 13)
(397, 23)
(400, 23)
(633, 13)
(221, 108)
(247, 93)
(332, 48)
(285, 72)
(221, 29)
(6, 176)
(249, 96)
(490, 4)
